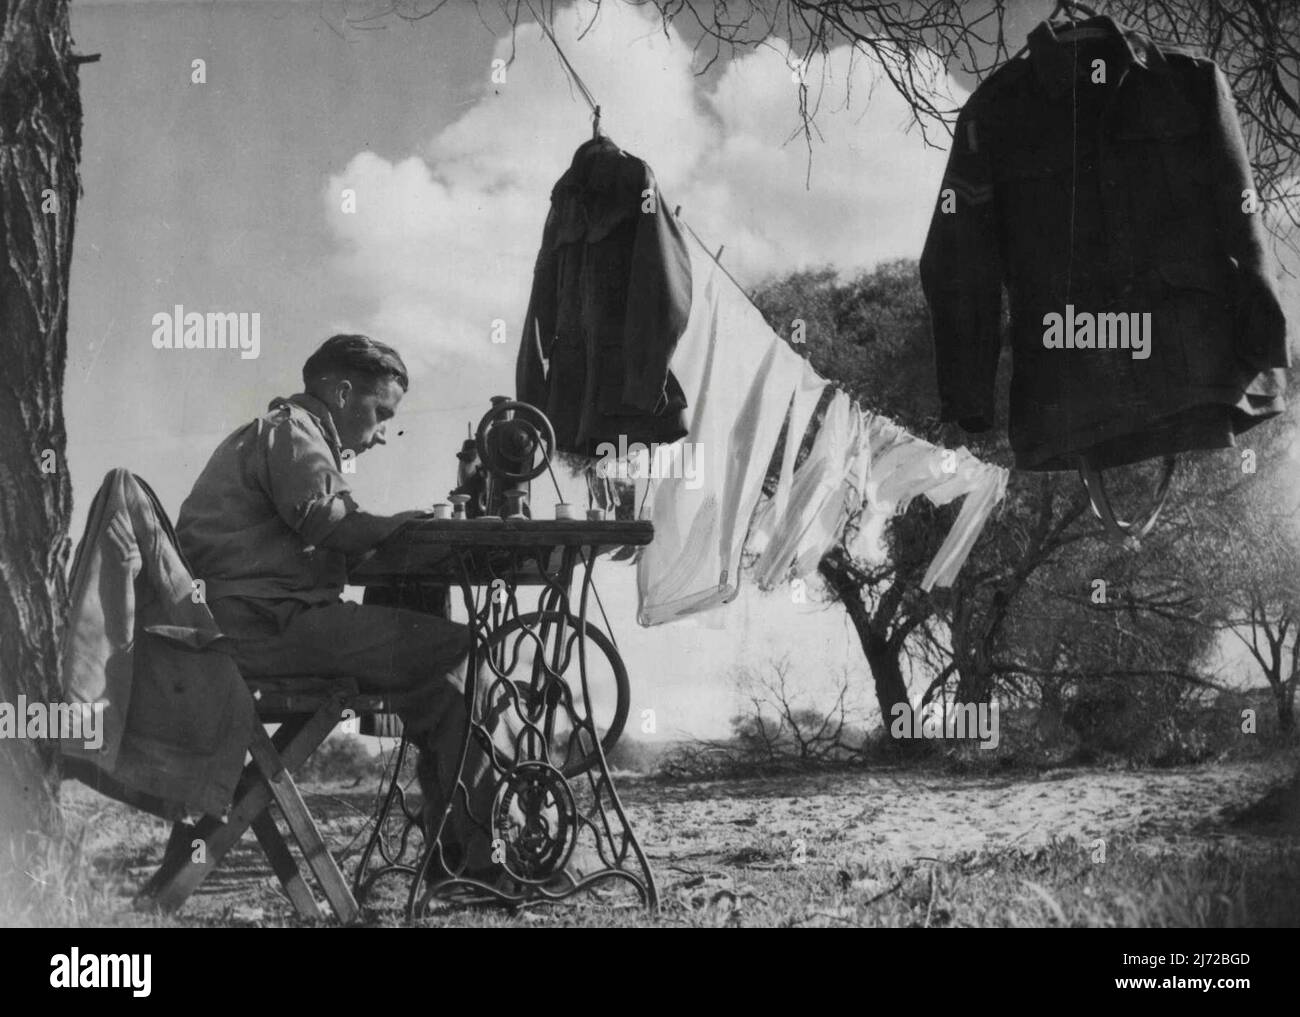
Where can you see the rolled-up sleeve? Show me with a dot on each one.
(309, 492)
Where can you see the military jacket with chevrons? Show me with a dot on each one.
(1106, 174)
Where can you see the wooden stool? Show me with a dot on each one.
(307, 710)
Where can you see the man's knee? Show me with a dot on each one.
(387, 648)
(441, 646)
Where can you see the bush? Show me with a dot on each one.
(636, 756)
(342, 759)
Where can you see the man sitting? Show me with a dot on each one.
(269, 528)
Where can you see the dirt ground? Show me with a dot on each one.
(715, 845)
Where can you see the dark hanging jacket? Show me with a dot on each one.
(611, 295)
(1117, 187)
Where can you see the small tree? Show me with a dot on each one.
(1252, 587)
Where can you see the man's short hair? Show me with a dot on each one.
(357, 356)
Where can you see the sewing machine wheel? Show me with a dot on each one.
(509, 437)
(524, 650)
(534, 822)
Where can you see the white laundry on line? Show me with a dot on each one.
(739, 377)
(862, 467)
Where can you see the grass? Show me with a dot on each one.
(1061, 884)
(1054, 887)
(717, 871)
(58, 887)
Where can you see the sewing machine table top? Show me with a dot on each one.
(436, 550)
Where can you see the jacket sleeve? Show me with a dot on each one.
(310, 493)
(1260, 325)
(658, 299)
(961, 274)
(539, 324)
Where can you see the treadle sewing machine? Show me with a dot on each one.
(547, 693)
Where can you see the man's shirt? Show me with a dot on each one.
(271, 492)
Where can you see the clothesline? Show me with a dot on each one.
(863, 466)
(835, 386)
(968, 461)
(871, 470)
(839, 499)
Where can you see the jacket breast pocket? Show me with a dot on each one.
(1164, 158)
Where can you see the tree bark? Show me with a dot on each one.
(881, 653)
(974, 650)
(1284, 692)
(40, 149)
(887, 671)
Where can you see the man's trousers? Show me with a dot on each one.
(385, 649)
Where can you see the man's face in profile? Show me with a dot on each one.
(360, 412)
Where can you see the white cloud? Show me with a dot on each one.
(443, 242)
(871, 188)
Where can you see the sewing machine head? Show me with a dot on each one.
(514, 443)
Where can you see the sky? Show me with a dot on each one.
(392, 178)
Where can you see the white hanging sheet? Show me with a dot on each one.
(738, 376)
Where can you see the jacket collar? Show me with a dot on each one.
(318, 411)
(1054, 58)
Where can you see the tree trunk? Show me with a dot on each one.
(974, 685)
(40, 148)
(882, 657)
(1284, 693)
(887, 671)
(1051, 713)
(974, 650)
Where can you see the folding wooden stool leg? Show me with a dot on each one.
(295, 742)
(286, 869)
(303, 828)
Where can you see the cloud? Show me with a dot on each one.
(429, 253)
(866, 195)
(442, 243)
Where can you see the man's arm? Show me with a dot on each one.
(313, 498)
(358, 532)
